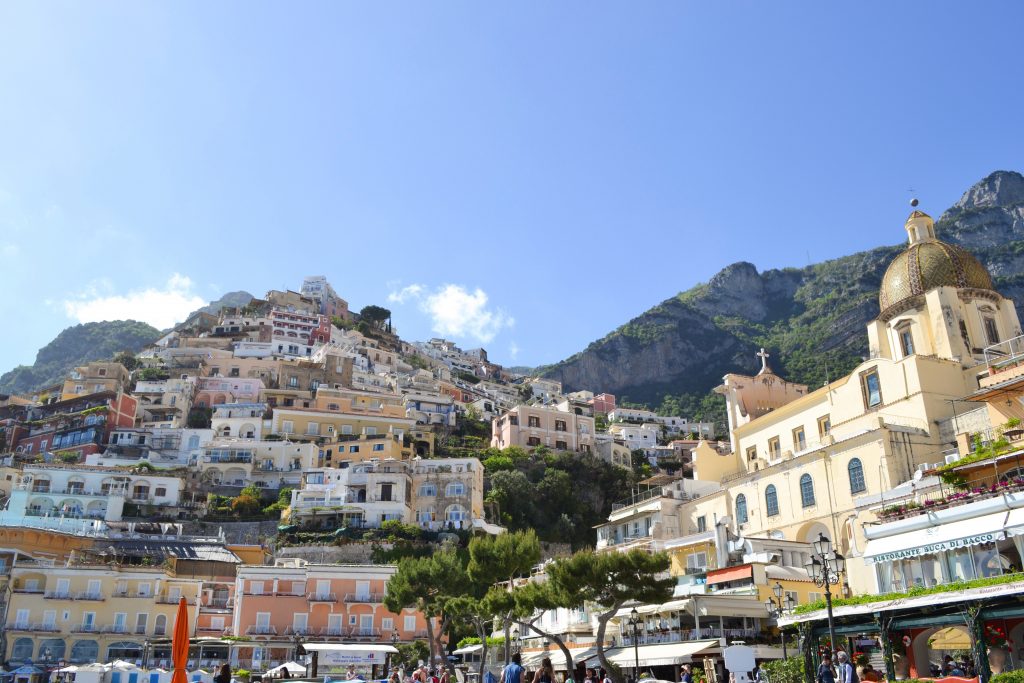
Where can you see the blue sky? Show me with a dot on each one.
(524, 176)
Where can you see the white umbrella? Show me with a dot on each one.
(292, 667)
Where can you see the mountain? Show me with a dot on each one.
(80, 344)
(76, 346)
(812, 319)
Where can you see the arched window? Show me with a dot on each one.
(86, 651)
(52, 650)
(428, 490)
(741, 509)
(456, 513)
(771, 500)
(455, 488)
(806, 491)
(22, 650)
(856, 471)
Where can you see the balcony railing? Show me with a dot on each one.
(322, 597)
(85, 628)
(261, 631)
(363, 597)
(299, 631)
(217, 603)
(678, 635)
(89, 596)
(45, 628)
(130, 594)
(169, 599)
(58, 595)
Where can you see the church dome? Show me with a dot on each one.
(926, 264)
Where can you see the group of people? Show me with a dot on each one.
(951, 667)
(515, 672)
(844, 670)
(421, 674)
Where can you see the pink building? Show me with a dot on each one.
(604, 403)
(342, 603)
(213, 391)
(301, 327)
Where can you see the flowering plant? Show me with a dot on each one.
(995, 636)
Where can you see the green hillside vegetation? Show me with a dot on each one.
(77, 345)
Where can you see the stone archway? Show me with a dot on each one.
(948, 639)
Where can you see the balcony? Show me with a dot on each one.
(364, 633)
(38, 628)
(218, 603)
(322, 597)
(680, 635)
(130, 594)
(211, 629)
(29, 590)
(364, 597)
(261, 631)
(169, 599)
(299, 631)
(88, 596)
(85, 628)
(57, 595)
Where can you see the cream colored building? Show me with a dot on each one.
(266, 464)
(337, 414)
(95, 378)
(531, 426)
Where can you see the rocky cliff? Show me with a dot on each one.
(810, 319)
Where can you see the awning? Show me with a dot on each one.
(1015, 522)
(961, 534)
(640, 609)
(468, 650)
(345, 647)
(744, 571)
(664, 654)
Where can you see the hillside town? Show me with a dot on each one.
(330, 499)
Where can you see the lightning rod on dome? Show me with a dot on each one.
(914, 202)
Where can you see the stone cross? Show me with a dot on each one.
(763, 355)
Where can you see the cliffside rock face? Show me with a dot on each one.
(77, 345)
(811, 319)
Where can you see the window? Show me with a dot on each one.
(410, 623)
(813, 597)
(533, 441)
(752, 453)
(872, 389)
(455, 488)
(771, 500)
(293, 381)
(346, 429)
(370, 431)
(533, 421)
(287, 427)
(799, 439)
(353, 449)
(456, 513)
(378, 446)
(387, 624)
(856, 471)
(702, 524)
(741, 509)
(906, 336)
(697, 562)
(561, 446)
(255, 588)
(160, 625)
(559, 425)
(161, 491)
(824, 425)
(774, 448)
(792, 596)
(991, 331)
(806, 491)
(428, 490)
(141, 620)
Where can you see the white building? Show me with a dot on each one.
(162, 448)
(238, 420)
(238, 463)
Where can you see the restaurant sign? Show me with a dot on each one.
(937, 547)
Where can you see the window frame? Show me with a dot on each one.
(865, 388)
(807, 497)
(856, 466)
(742, 517)
(771, 505)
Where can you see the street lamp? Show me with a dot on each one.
(825, 568)
(776, 608)
(515, 637)
(394, 644)
(634, 622)
(145, 653)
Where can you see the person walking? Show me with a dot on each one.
(514, 671)
(224, 674)
(687, 675)
(825, 672)
(847, 674)
(545, 674)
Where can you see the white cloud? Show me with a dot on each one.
(409, 292)
(513, 350)
(455, 311)
(161, 308)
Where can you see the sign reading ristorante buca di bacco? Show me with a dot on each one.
(938, 547)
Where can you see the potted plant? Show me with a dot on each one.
(995, 639)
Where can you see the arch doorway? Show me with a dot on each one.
(935, 649)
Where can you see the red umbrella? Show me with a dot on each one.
(179, 644)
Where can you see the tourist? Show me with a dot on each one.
(687, 676)
(545, 674)
(514, 671)
(869, 673)
(224, 675)
(846, 671)
(825, 672)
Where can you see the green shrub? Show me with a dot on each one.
(785, 670)
(1009, 677)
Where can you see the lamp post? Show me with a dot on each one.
(776, 608)
(634, 622)
(146, 645)
(825, 568)
(515, 637)
(394, 644)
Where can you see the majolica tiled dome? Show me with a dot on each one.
(926, 264)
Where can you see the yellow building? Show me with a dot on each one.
(95, 378)
(84, 614)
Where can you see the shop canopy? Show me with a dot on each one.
(961, 534)
(665, 654)
(468, 650)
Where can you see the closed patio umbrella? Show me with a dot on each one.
(179, 644)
